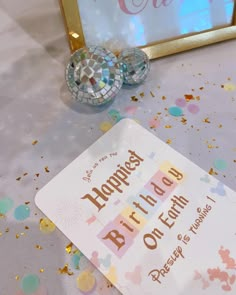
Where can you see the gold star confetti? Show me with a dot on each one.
(46, 169)
(206, 120)
(46, 226)
(184, 121)
(212, 172)
(65, 270)
(142, 94)
(152, 94)
(41, 270)
(69, 248)
(18, 178)
(169, 141)
(134, 98)
(168, 126)
(17, 277)
(34, 142)
(38, 247)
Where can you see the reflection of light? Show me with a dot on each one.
(229, 8)
(137, 31)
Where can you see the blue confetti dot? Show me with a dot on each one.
(30, 284)
(175, 111)
(220, 164)
(6, 205)
(75, 260)
(22, 212)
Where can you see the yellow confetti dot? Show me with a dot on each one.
(46, 226)
(86, 281)
(229, 87)
(111, 275)
(105, 126)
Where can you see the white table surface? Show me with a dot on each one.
(36, 105)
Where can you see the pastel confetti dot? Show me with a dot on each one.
(22, 212)
(131, 110)
(193, 108)
(75, 260)
(229, 87)
(115, 115)
(6, 204)
(180, 102)
(105, 126)
(154, 123)
(86, 282)
(220, 164)
(30, 284)
(175, 111)
(46, 226)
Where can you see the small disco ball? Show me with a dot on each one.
(93, 75)
(135, 65)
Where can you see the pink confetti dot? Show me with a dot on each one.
(193, 108)
(180, 102)
(131, 110)
(154, 123)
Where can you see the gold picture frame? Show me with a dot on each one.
(74, 28)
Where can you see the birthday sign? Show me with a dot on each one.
(163, 225)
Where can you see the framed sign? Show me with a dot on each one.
(159, 27)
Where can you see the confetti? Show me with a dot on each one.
(30, 283)
(220, 164)
(152, 94)
(201, 88)
(34, 142)
(22, 212)
(6, 204)
(75, 259)
(105, 126)
(206, 120)
(168, 126)
(134, 98)
(229, 87)
(169, 141)
(180, 102)
(163, 97)
(65, 270)
(212, 172)
(142, 94)
(154, 123)
(115, 115)
(69, 248)
(38, 247)
(41, 270)
(184, 121)
(91, 220)
(131, 110)
(86, 281)
(46, 169)
(188, 97)
(46, 226)
(193, 108)
(18, 178)
(17, 277)
(175, 111)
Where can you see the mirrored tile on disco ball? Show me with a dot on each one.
(93, 75)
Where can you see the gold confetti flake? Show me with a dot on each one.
(26, 227)
(2, 215)
(25, 174)
(198, 97)
(1, 234)
(206, 120)
(234, 161)
(41, 270)
(163, 97)
(17, 236)
(168, 126)
(134, 98)
(188, 97)
(27, 203)
(37, 174)
(38, 247)
(201, 88)
(46, 169)
(7, 230)
(17, 278)
(142, 94)
(220, 126)
(169, 141)
(152, 94)
(212, 172)
(69, 248)
(184, 121)
(18, 178)
(65, 270)
(34, 142)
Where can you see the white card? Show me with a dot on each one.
(163, 225)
